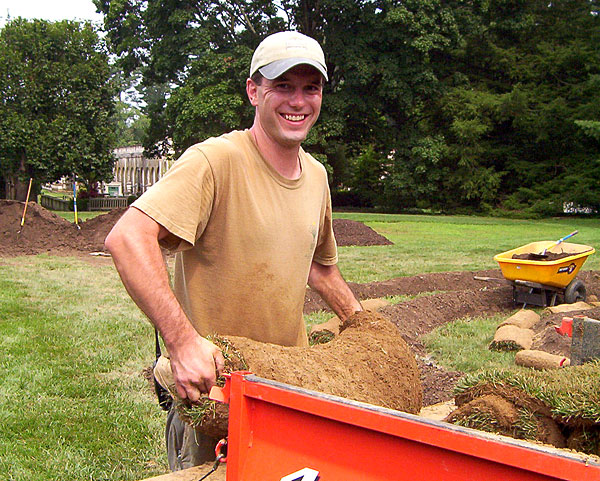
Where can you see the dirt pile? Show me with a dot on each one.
(97, 228)
(351, 233)
(547, 257)
(44, 231)
(368, 362)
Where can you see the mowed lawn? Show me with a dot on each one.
(74, 404)
(452, 243)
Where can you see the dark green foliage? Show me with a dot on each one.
(131, 125)
(57, 103)
(529, 72)
(465, 105)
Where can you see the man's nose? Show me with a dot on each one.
(297, 97)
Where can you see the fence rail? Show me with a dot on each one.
(54, 203)
(107, 203)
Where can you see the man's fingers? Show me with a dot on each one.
(190, 392)
(181, 391)
(193, 393)
(219, 362)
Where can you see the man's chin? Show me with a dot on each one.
(292, 139)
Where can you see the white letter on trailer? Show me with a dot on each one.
(305, 474)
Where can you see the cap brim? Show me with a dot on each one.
(279, 67)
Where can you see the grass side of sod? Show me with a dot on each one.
(571, 393)
(74, 403)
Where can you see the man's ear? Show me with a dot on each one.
(252, 91)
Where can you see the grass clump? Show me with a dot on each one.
(570, 393)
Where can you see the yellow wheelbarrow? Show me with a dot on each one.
(540, 282)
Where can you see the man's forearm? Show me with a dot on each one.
(133, 243)
(331, 286)
(140, 264)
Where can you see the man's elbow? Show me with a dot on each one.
(119, 234)
(319, 274)
(133, 229)
(114, 240)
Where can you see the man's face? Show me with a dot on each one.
(288, 106)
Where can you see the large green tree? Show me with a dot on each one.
(383, 57)
(192, 57)
(431, 104)
(57, 103)
(526, 72)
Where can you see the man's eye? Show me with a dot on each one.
(283, 86)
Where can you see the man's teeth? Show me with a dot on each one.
(294, 118)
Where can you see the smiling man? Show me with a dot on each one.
(249, 215)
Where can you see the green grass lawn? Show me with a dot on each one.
(451, 243)
(74, 404)
(81, 216)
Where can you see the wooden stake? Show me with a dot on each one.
(26, 202)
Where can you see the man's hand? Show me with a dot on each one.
(195, 363)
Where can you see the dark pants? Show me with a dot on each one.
(186, 446)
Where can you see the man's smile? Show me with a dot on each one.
(294, 117)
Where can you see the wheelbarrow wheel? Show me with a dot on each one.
(575, 292)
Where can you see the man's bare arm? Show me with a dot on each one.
(133, 244)
(331, 286)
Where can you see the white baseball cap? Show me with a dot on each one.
(281, 51)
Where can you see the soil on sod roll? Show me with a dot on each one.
(457, 294)
(560, 407)
(384, 371)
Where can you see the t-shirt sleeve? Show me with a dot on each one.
(182, 200)
(326, 249)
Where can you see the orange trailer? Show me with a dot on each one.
(283, 433)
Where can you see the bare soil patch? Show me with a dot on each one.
(351, 233)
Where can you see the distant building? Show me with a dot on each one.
(573, 208)
(134, 173)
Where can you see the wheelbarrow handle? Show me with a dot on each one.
(567, 236)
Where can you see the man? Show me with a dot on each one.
(249, 214)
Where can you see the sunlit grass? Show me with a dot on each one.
(74, 405)
(462, 345)
(82, 216)
(425, 244)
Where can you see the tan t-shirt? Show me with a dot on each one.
(245, 237)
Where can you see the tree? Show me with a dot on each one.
(57, 101)
(191, 58)
(131, 125)
(525, 73)
(381, 58)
